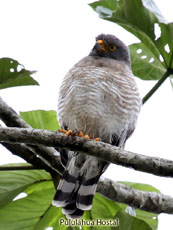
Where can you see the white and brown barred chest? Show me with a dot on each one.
(99, 100)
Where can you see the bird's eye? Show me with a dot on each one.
(112, 48)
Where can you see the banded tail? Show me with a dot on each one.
(77, 187)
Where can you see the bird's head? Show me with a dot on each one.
(109, 46)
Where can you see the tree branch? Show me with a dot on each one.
(10, 117)
(104, 151)
(26, 153)
(49, 156)
(152, 202)
(147, 201)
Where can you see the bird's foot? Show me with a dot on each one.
(62, 131)
(77, 133)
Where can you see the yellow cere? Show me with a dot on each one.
(101, 43)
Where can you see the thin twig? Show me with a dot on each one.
(156, 86)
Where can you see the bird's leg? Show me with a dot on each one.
(77, 133)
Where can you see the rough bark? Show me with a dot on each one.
(147, 201)
(104, 151)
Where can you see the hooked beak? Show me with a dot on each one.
(101, 45)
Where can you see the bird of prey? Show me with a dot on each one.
(99, 97)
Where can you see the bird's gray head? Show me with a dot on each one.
(110, 46)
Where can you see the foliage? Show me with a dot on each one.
(151, 59)
(154, 55)
(12, 74)
(41, 119)
(24, 213)
(35, 212)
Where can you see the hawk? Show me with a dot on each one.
(99, 97)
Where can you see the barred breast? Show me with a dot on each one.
(100, 98)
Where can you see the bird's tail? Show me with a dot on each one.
(77, 187)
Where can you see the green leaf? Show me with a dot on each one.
(24, 213)
(139, 186)
(127, 222)
(165, 40)
(142, 24)
(107, 210)
(150, 218)
(13, 183)
(103, 208)
(12, 74)
(144, 65)
(40, 119)
(50, 219)
(35, 212)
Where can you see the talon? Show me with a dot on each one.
(62, 131)
(76, 133)
(97, 139)
(87, 137)
(69, 132)
(81, 134)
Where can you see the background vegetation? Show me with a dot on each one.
(152, 59)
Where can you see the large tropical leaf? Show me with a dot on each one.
(12, 73)
(12, 183)
(35, 212)
(106, 209)
(41, 119)
(144, 65)
(26, 212)
(143, 19)
(128, 222)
